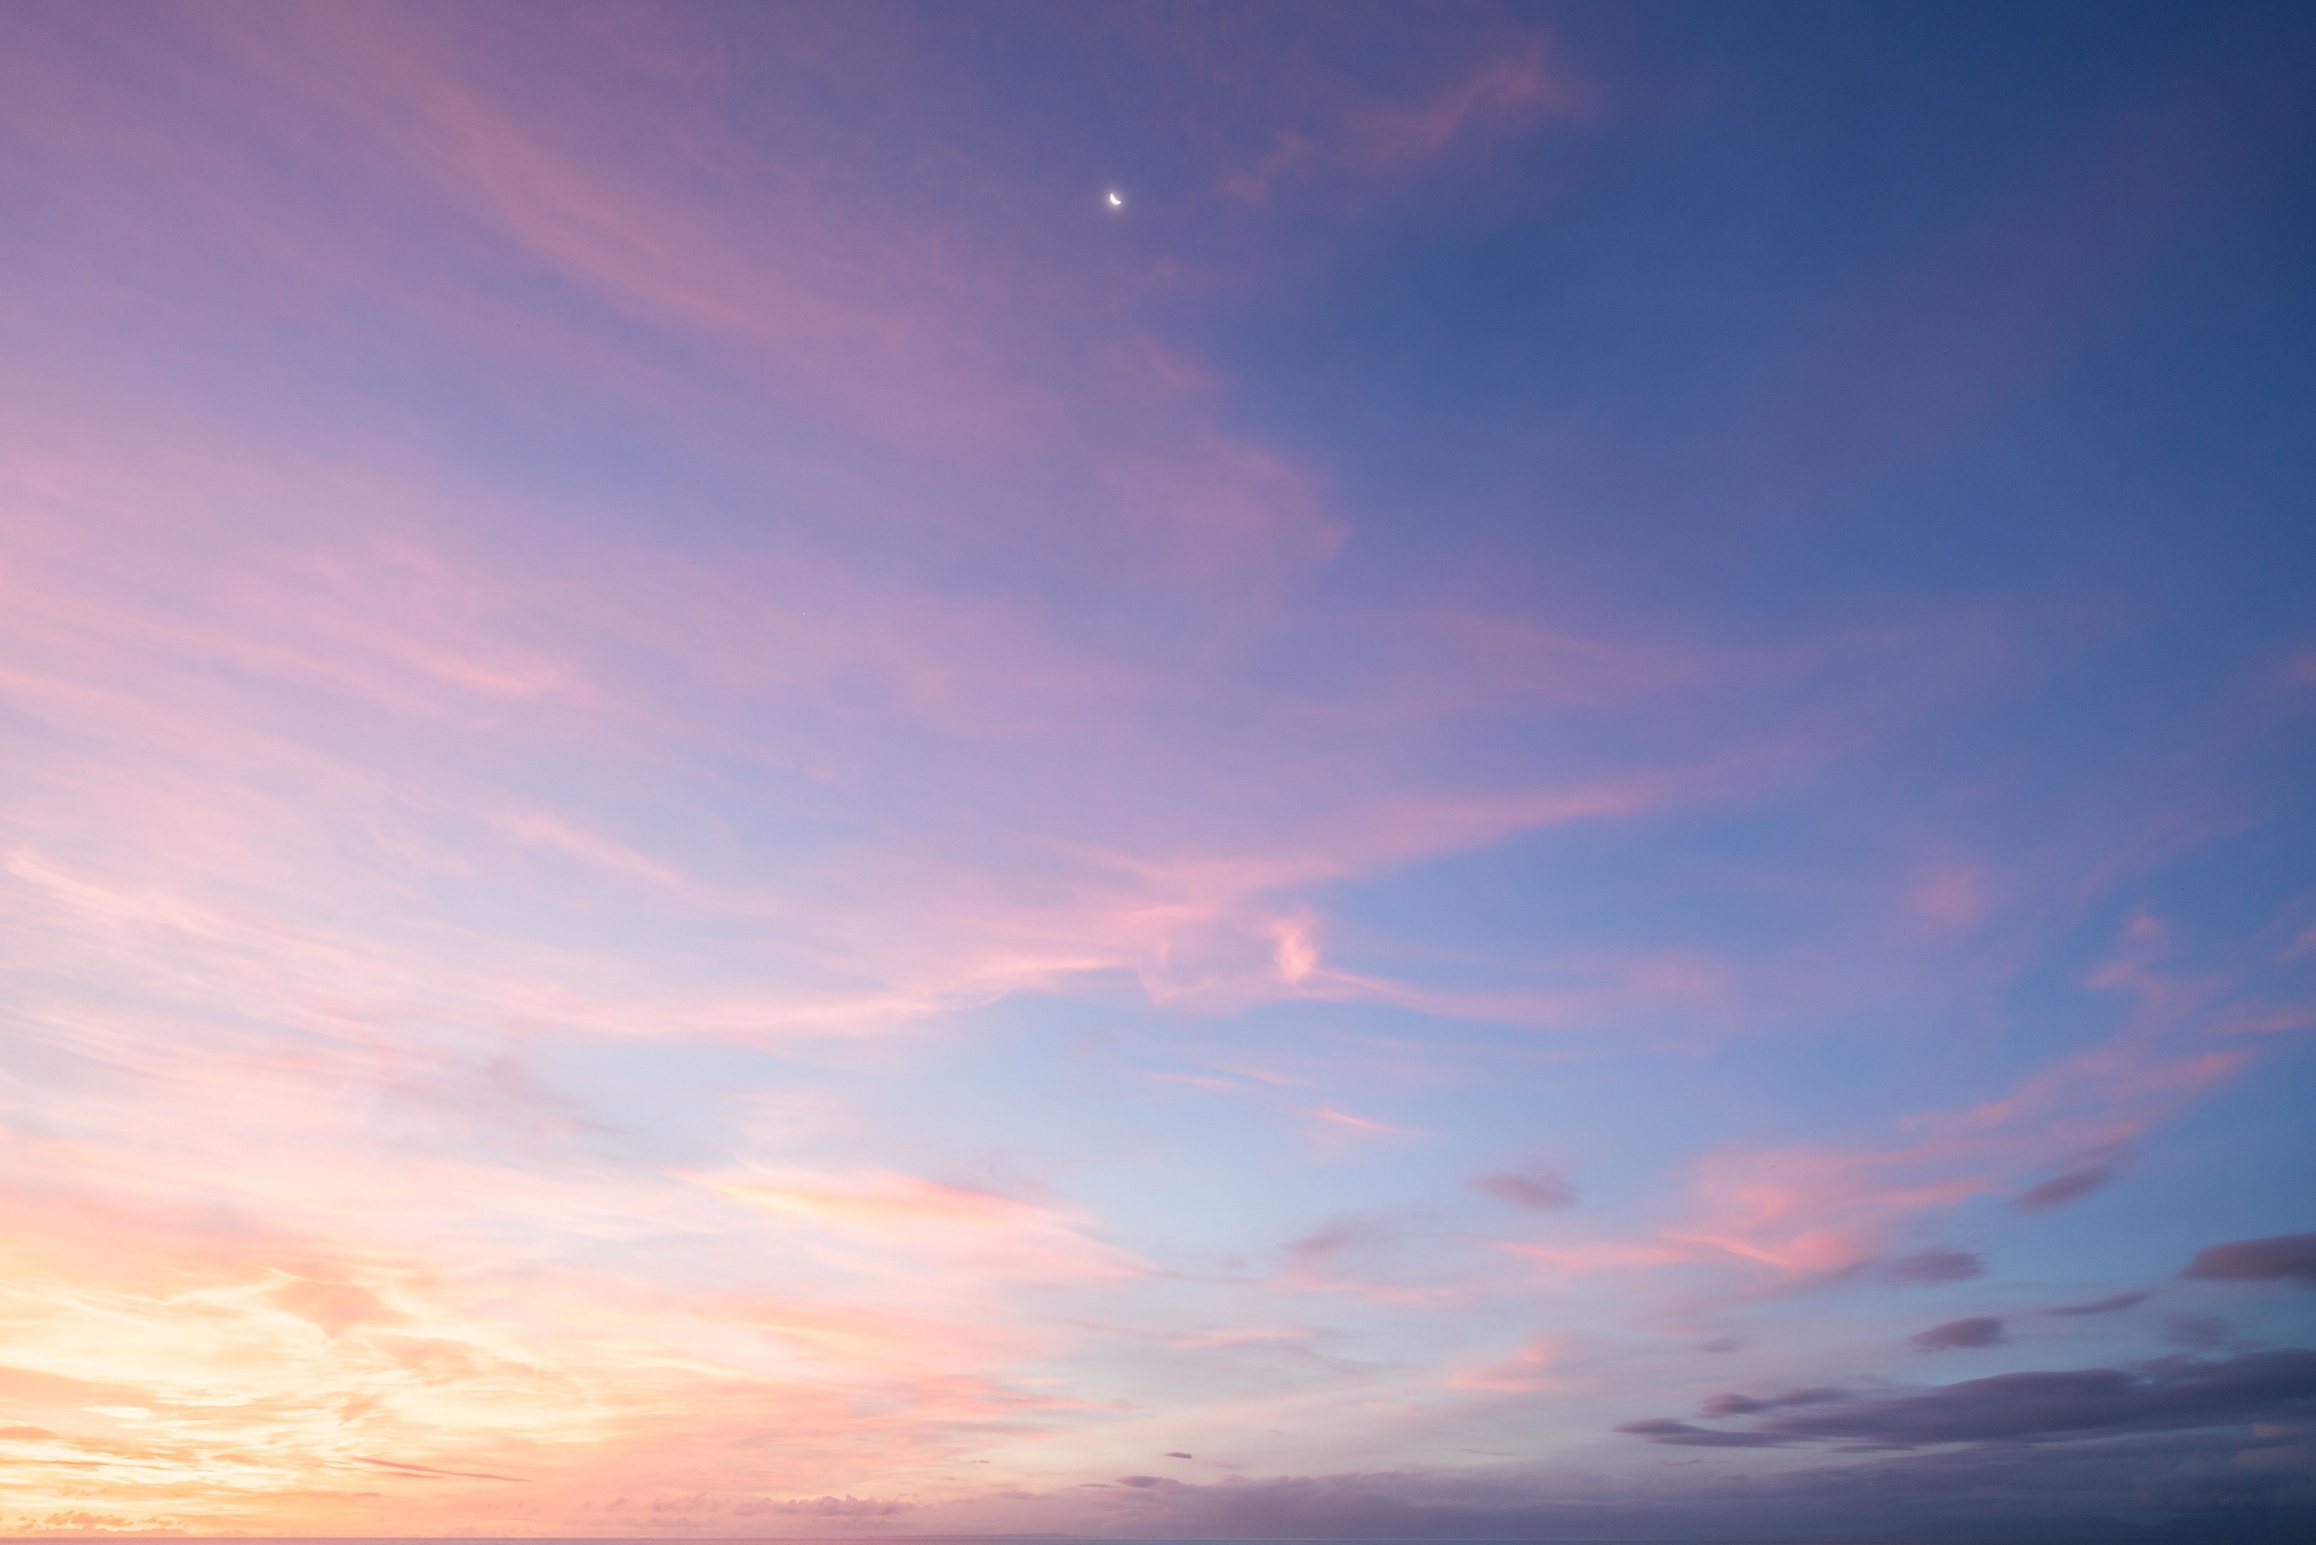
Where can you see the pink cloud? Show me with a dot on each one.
(1378, 137)
(1800, 1214)
(1951, 896)
(1364, 1125)
(1525, 1372)
(1507, 93)
(985, 1232)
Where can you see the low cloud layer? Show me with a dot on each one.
(2160, 1487)
(2171, 1394)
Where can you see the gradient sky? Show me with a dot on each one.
(1572, 792)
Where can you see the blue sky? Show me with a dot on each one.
(1157, 771)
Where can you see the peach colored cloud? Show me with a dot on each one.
(1799, 1214)
(998, 1234)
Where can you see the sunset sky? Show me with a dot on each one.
(1253, 769)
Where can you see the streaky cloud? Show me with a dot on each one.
(2283, 1258)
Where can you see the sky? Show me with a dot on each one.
(1449, 771)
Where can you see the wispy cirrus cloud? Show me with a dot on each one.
(674, 715)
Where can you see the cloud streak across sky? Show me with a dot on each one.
(723, 812)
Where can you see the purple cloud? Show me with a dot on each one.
(1937, 1264)
(2172, 1394)
(1749, 1405)
(1978, 1331)
(1538, 1191)
(2283, 1258)
(2088, 1174)
(2109, 1305)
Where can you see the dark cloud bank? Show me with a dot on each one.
(2178, 1451)
(2148, 1431)
(2181, 1450)
(2171, 1393)
(2156, 1489)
